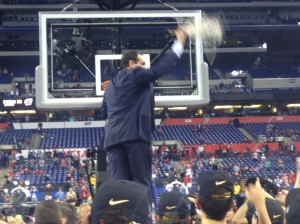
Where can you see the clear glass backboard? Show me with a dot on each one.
(80, 51)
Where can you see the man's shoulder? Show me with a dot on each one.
(126, 75)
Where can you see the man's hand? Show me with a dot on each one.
(298, 164)
(256, 194)
(180, 34)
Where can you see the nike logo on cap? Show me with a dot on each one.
(276, 216)
(170, 207)
(113, 202)
(220, 182)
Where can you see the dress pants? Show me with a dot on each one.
(130, 161)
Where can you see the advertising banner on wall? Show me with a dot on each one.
(18, 103)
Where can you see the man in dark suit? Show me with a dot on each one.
(129, 106)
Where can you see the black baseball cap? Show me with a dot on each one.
(173, 206)
(210, 181)
(129, 196)
(293, 206)
(274, 209)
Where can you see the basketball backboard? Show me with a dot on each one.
(81, 50)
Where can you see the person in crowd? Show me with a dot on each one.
(19, 219)
(47, 212)
(280, 164)
(93, 181)
(83, 213)
(260, 207)
(240, 198)
(275, 213)
(281, 197)
(236, 188)
(28, 193)
(215, 196)
(60, 195)
(33, 196)
(174, 207)
(71, 196)
(68, 212)
(2, 218)
(48, 190)
(128, 103)
(84, 193)
(293, 199)
(195, 213)
(122, 202)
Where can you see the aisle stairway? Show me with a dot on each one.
(35, 141)
(248, 134)
(3, 172)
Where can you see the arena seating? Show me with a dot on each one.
(259, 129)
(262, 71)
(10, 137)
(59, 175)
(215, 134)
(90, 137)
(71, 137)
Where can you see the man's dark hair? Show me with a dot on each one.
(193, 205)
(47, 212)
(216, 208)
(70, 206)
(68, 211)
(116, 216)
(130, 55)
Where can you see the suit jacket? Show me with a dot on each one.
(129, 102)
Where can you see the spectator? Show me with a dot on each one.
(236, 169)
(281, 197)
(293, 207)
(292, 177)
(293, 200)
(280, 164)
(237, 188)
(60, 195)
(84, 193)
(121, 201)
(174, 207)
(255, 156)
(47, 212)
(84, 212)
(71, 196)
(267, 164)
(48, 190)
(215, 195)
(267, 209)
(33, 196)
(278, 181)
(69, 175)
(39, 172)
(263, 158)
(292, 149)
(2, 219)
(241, 196)
(41, 164)
(68, 212)
(200, 151)
(160, 131)
(93, 181)
(274, 211)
